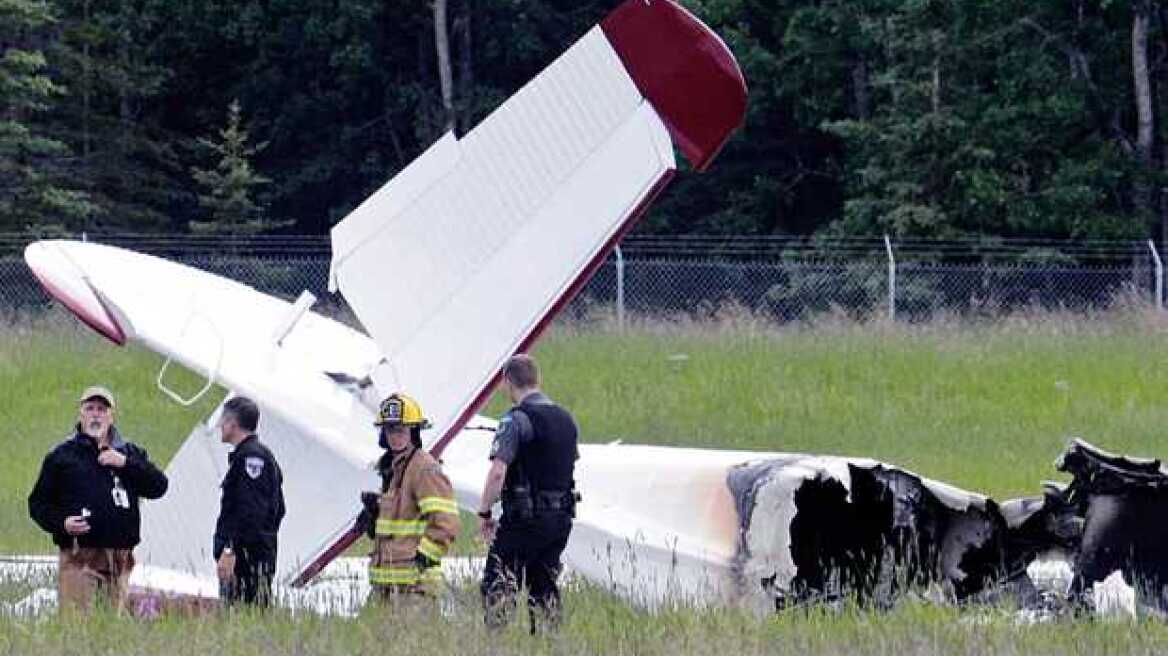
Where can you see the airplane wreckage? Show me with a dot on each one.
(505, 224)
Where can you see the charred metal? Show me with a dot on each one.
(822, 529)
(866, 531)
(1122, 502)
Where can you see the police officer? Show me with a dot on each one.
(533, 460)
(86, 497)
(251, 509)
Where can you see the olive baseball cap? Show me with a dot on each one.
(99, 392)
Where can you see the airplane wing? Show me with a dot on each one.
(463, 258)
(658, 525)
(495, 231)
(254, 344)
(657, 521)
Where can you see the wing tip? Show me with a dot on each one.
(66, 283)
(674, 58)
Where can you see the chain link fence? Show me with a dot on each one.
(779, 279)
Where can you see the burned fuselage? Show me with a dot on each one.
(1122, 503)
(815, 527)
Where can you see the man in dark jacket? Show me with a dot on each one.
(86, 497)
(251, 510)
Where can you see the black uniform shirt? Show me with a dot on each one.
(252, 506)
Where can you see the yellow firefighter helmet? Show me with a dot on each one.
(400, 410)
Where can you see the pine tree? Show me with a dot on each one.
(229, 188)
(109, 55)
(33, 166)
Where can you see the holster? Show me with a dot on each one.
(522, 503)
(519, 503)
(557, 501)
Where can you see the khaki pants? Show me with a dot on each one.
(404, 598)
(89, 574)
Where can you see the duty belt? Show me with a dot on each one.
(519, 503)
(554, 500)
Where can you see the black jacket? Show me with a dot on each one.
(253, 499)
(71, 479)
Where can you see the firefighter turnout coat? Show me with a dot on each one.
(417, 521)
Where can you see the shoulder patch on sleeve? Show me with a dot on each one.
(254, 466)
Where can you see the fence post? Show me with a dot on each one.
(1159, 275)
(891, 279)
(620, 289)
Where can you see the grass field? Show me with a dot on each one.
(986, 407)
(594, 625)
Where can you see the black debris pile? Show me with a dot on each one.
(1047, 527)
(871, 536)
(1123, 505)
(821, 529)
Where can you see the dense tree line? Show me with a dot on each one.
(914, 117)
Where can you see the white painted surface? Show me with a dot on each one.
(458, 258)
(341, 589)
(321, 434)
(657, 524)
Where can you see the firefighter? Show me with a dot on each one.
(251, 509)
(533, 462)
(414, 518)
(86, 497)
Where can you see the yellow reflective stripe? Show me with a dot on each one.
(404, 575)
(394, 527)
(431, 549)
(436, 505)
(394, 575)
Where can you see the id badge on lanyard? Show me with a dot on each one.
(121, 497)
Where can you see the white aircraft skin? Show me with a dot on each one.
(322, 434)
(658, 525)
(457, 263)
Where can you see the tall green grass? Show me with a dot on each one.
(594, 624)
(987, 407)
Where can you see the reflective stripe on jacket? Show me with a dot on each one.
(417, 515)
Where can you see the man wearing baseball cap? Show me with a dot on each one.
(86, 498)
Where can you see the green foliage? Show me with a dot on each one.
(980, 128)
(228, 189)
(983, 407)
(929, 118)
(34, 188)
(129, 165)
